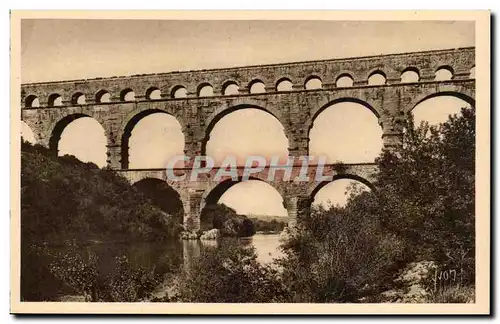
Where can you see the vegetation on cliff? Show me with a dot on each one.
(67, 204)
(65, 199)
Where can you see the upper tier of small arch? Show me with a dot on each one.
(392, 66)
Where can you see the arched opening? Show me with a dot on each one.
(230, 88)
(472, 74)
(102, 96)
(243, 131)
(163, 196)
(410, 75)
(179, 92)
(344, 81)
(284, 85)
(313, 83)
(27, 133)
(377, 78)
(127, 95)
(444, 73)
(337, 192)
(437, 108)
(81, 136)
(257, 86)
(151, 138)
(205, 90)
(55, 100)
(335, 133)
(32, 101)
(78, 99)
(153, 94)
(257, 200)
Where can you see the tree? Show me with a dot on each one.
(231, 274)
(427, 191)
(422, 209)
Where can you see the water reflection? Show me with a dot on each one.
(266, 247)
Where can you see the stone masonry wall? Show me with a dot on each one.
(296, 108)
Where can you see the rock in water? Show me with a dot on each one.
(189, 235)
(212, 234)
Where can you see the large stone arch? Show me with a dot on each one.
(58, 126)
(215, 190)
(315, 188)
(467, 96)
(131, 121)
(233, 106)
(134, 176)
(315, 112)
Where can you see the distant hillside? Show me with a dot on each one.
(269, 224)
(270, 218)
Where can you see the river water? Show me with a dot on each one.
(165, 257)
(169, 257)
(266, 247)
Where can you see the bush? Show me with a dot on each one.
(37, 282)
(126, 284)
(427, 192)
(455, 294)
(230, 274)
(80, 271)
(340, 255)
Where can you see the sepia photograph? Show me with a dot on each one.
(251, 163)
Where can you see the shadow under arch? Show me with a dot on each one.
(465, 97)
(59, 127)
(348, 176)
(162, 195)
(337, 101)
(213, 121)
(129, 127)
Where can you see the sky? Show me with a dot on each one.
(74, 49)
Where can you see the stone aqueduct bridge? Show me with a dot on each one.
(49, 107)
